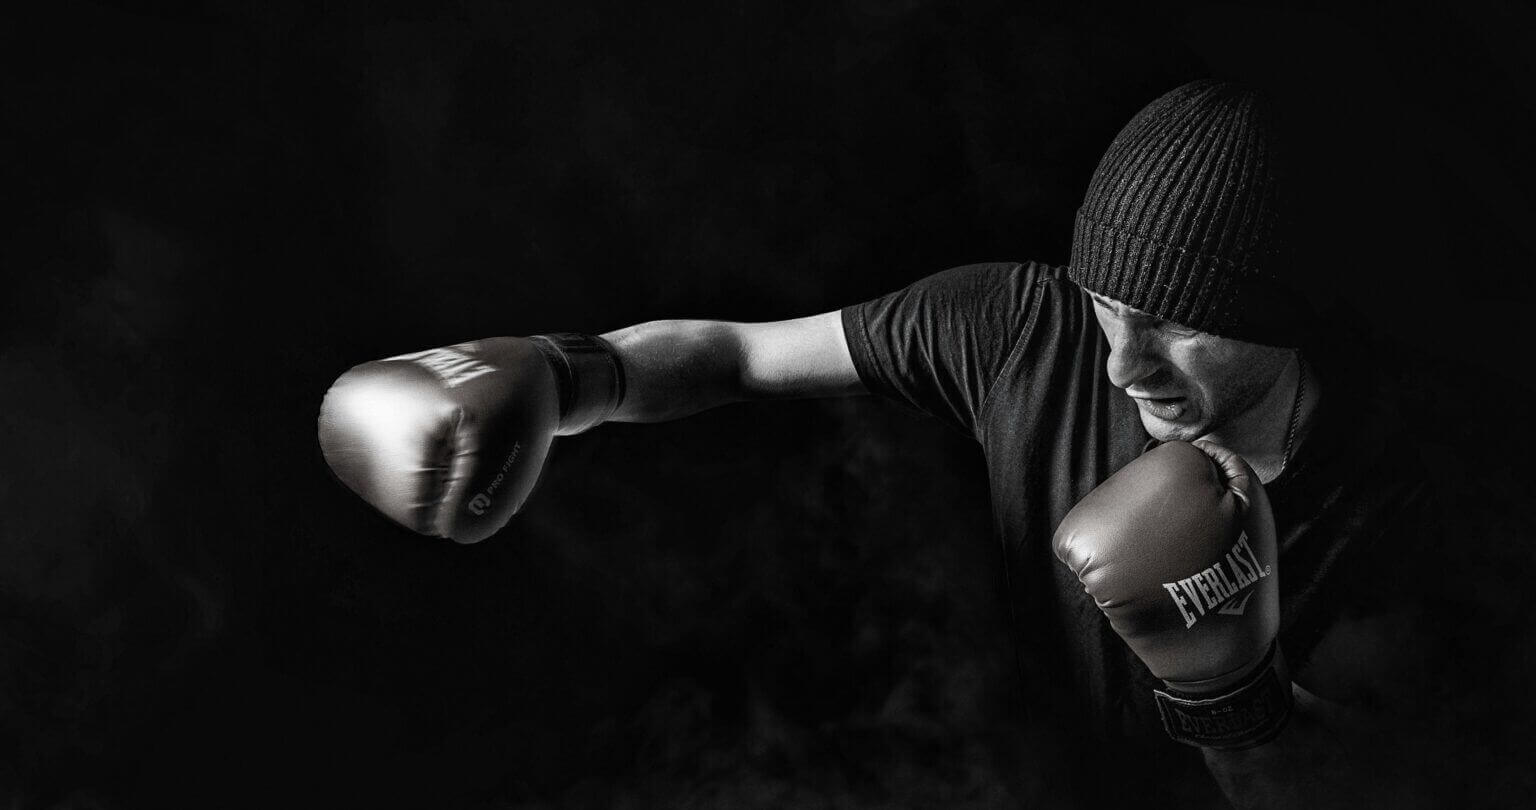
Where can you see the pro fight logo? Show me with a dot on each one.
(1224, 584)
(481, 502)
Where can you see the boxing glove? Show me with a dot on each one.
(449, 442)
(1178, 550)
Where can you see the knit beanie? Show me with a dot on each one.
(1181, 219)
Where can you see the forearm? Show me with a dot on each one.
(1328, 756)
(677, 368)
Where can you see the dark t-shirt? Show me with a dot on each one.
(1012, 355)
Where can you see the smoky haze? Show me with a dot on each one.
(789, 605)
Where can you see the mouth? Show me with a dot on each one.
(1166, 408)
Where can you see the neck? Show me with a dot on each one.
(1260, 434)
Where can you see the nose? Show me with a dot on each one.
(1135, 354)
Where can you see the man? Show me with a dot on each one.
(1178, 319)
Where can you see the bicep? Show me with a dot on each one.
(802, 357)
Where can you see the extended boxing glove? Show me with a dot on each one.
(1178, 550)
(449, 442)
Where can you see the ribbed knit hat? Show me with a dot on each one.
(1181, 219)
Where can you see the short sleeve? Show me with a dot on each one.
(939, 344)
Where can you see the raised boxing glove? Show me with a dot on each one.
(449, 442)
(1178, 550)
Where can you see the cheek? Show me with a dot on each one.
(1202, 367)
(1227, 377)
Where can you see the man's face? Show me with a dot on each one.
(1186, 383)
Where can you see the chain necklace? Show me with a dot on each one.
(1290, 434)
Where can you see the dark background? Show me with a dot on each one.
(224, 205)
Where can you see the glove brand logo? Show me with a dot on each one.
(481, 502)
(452, 367)
(1249, 715)
(1220, 584)
(1236, 608)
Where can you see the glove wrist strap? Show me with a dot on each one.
(1251, 713)
(588, 375)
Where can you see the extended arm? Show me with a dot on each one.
(450, 441)
(680, 367)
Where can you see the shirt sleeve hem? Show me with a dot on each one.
(865, 361)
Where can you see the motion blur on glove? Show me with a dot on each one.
(449, 442)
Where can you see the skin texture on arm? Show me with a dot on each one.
(676, 368)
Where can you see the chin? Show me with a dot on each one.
(1170, 431)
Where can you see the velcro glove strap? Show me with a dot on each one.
(1250, 714)
(588, 375)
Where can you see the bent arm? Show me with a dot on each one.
(1348, 741)
(677, 368)
(1329, 755)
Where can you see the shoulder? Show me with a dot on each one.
(990, 277)
(942, 342)
(1012, 286)
(985, 300)
(1028, 309)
